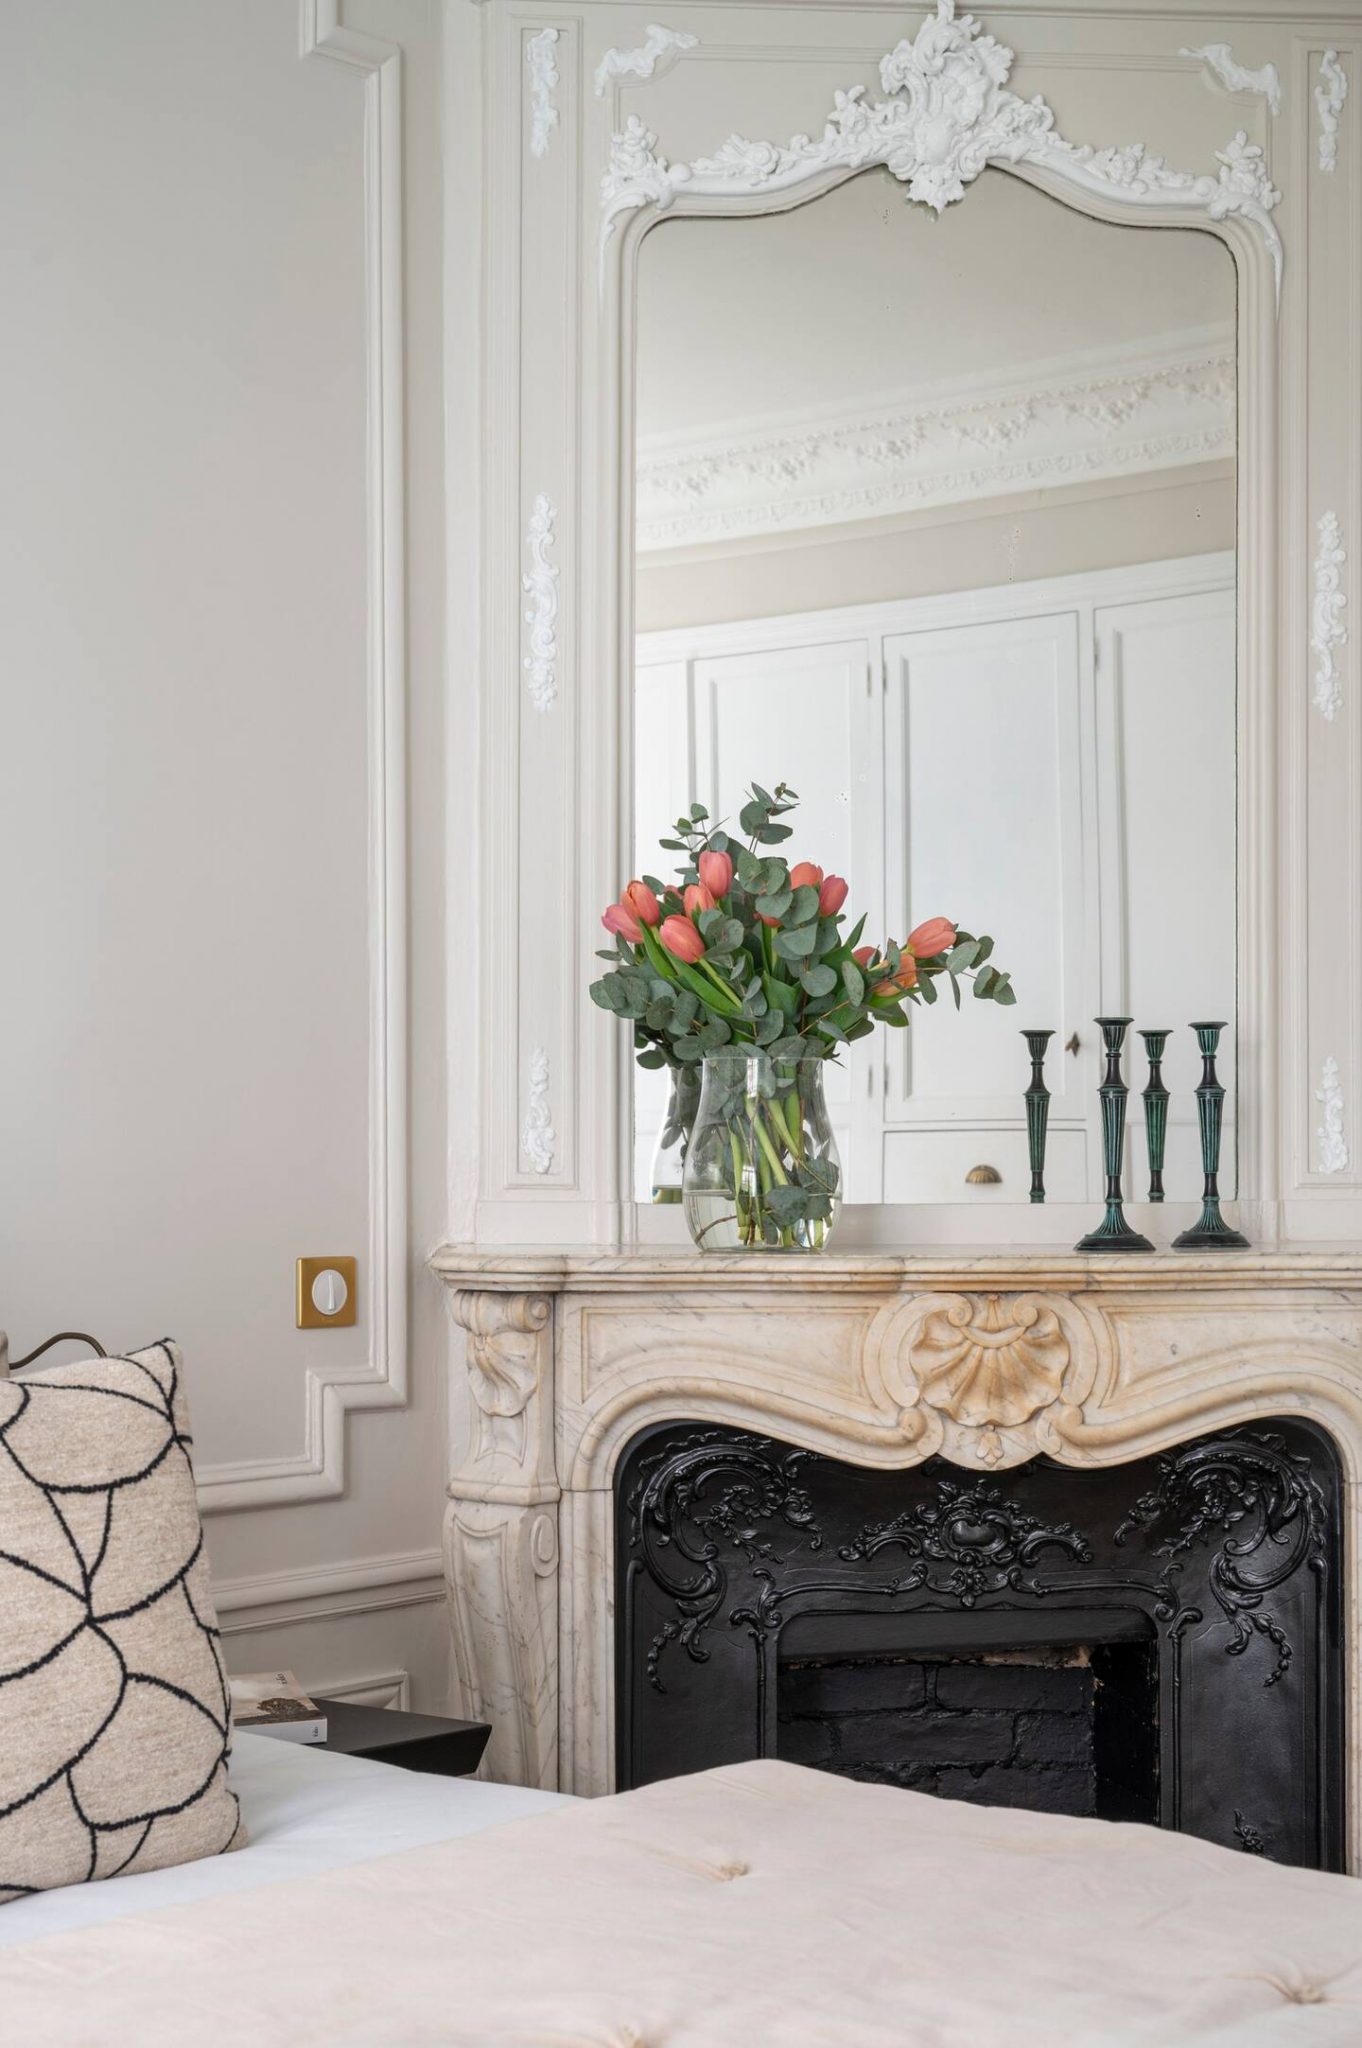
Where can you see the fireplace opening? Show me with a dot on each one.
(1155, 1641)
(1059, 1726)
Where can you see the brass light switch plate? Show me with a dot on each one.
(326, 1293)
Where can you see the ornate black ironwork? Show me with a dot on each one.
(696, 1501)
(1113, 1233)
(988, 1542)
(1268, 1507)
(1155, 1098)
(1249, 1838)
(1211, 1233)
(1037, 1110)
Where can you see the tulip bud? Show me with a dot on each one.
(804, 875)
(832, 896)
(640, 901)
(863, 955)
(716, 873)
(698, 898)
(937, 935)
(617, 919)
(681, 939)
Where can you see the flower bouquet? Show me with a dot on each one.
(742, 967)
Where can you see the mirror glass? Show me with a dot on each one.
(936, 525)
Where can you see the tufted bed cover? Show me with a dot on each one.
(750, 1907)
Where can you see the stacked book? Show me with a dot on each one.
(273, 1703)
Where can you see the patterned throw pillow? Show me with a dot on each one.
(114, 1719)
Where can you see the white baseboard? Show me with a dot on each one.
(354, 1586)
(383, 1689)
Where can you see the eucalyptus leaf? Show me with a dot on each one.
(796, 945)
(819, 980)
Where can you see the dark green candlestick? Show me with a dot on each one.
(1212, 1233)
(1113, 1233)
(1155, 1098)
(1037, 1110)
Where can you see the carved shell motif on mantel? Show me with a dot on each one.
(982, 1379)
(506, 1359)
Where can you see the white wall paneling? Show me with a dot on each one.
(1230, 145)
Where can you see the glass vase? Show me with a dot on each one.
(673, 1137)
(762, 1170)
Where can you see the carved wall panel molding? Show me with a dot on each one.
(540, 584)
(1236, 77)
(660, 49)
(1330, 94)
(1331, 1135)
(948, 115)
(1327, 630)
(1111, 415)
(541, 58)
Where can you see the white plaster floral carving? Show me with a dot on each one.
(1236, 77)
(949, 115)
(1327, 630)
(1331, 1136)
(1109, 418)
(1330, 94)
(542, 59)
(540, 584)
(537, 1134)
(991, 1363)
(660, 50)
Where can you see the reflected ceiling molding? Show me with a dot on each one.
(1236, 77)
(542, 60)
(950, 115)
(1107, 413)
(1327, 630)
(537, 1136)
(1330, 1135)
(658, 53)
(1330, 94)
(540, 584)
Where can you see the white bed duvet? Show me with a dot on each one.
(758, 1906)
(306, 1811)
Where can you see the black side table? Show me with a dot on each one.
(414, 1742)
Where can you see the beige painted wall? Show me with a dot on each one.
(957, 547)
(185, 1052)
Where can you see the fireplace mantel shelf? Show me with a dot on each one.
(590, 1269)
(985, 1357)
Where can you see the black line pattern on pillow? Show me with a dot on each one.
(115, 1718)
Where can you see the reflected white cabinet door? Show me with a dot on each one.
(1166, 739)
(984, 751)
(803, 714)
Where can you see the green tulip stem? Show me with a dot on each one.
(773, 1157)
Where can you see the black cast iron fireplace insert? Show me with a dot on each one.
(1159, 1640)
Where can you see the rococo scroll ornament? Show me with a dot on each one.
(948, 115)
(504, 1349)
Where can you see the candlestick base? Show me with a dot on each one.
(1211, 1234)
(1113, 1234)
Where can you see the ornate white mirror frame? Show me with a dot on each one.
(580, 166)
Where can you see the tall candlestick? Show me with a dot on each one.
(1212, 1233)
(1037, 1110)
(1113, 1233)
(1155, 1098)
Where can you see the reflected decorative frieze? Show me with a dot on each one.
(540, 584)
(1331, 1136)
(1327, 630)
(538, 1136)
(1236, 77)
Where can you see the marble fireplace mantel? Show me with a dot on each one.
(984, 1358)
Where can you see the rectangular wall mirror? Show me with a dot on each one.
(936, 524)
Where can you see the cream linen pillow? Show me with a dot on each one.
(114, 1717)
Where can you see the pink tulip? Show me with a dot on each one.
(774, 922)
(617, 919)
(640, 900)
(863, 955)
(804, 875)
(716, 873)
(895, 985)
(698, 898)
(681, 939)
(832, 895)
(936, 936)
